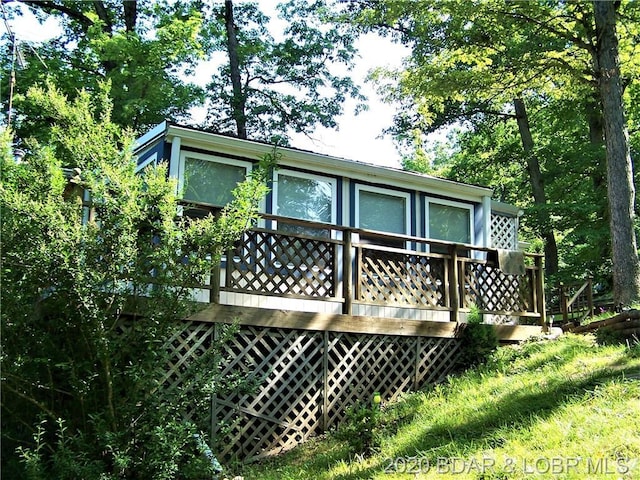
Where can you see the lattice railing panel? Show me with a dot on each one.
(504, 232)
(389, 278)
(487, 287)
(286, 408)
(279, 264)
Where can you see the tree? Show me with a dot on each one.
(267, 84)
(139, 47)
(471, 60)
(269, 87)
(89, 299)
(620, 184)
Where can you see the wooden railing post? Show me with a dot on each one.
(541, 306)
(229, 270)
(590, 297)
(564, 305)
(454, 287)
(347, 275)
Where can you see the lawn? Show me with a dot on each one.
(566, 408)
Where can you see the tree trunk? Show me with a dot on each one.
(537, 188)
(620, 187)
(130, 14)
(238, 101)
(599, 171)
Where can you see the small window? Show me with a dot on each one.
(211, 181)
(450, 221)
(383, 211)
(305, 197)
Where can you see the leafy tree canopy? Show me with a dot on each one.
(292, 71)
(470, 61)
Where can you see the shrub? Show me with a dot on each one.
(362, 428)
(87, 306)
(477, 341)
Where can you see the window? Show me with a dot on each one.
(305, 197)
(211, 180)
(382, 210)
(449, 221)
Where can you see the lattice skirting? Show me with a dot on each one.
(306, 380)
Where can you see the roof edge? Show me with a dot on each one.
(304, 158)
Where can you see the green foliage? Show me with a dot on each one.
(139, 47)
(90, 294)
(468, 61)
(478, 341)
(366, 426)
(289, 79)
(609, 336)
(149, 52)
(362, 428)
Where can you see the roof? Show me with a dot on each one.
(316, 162)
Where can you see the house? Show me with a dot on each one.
(356, 280)
(339, 236)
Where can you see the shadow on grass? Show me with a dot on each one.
(517, 411)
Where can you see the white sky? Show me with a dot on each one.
(357, 137)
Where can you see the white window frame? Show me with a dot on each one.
(384, 191)
(309, 176)
(150, 159)
(209, 158)
(449, 203)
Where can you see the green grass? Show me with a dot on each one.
(564, 409)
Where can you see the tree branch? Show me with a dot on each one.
(31, 400)
(49, 7)
(551, 29)
(103, 15)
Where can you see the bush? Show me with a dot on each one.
(477, 341)
(362, 428)
(87, 306)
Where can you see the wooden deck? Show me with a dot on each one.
(309, 368)
(328, 315)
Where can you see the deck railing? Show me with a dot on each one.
(574, 301)
(299, 259)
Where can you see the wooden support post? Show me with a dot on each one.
(229, 269)
(214, 395)
(347, 275)
(325, 382)
(454, 284)
(541, 306)
(416, 371)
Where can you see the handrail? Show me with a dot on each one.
(361, 231)
(255, 268)
(566, 303)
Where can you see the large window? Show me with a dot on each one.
(305, 197)
(211, 180)
(449, 221)
(383, 211)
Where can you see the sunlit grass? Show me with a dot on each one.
(564, 409)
